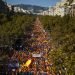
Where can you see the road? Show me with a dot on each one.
(35, 56)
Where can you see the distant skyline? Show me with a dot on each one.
(45, 3)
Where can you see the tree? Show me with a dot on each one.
(70, 1)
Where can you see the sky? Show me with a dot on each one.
(45, 3)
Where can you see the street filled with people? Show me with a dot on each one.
(33, 60)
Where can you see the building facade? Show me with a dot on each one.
(59, 9)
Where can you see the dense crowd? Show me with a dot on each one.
(37, 44)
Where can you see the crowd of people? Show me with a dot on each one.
(38, 43)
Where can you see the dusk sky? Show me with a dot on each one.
(45, 3)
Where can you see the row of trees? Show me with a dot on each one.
(62, 38)
(14, 26)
